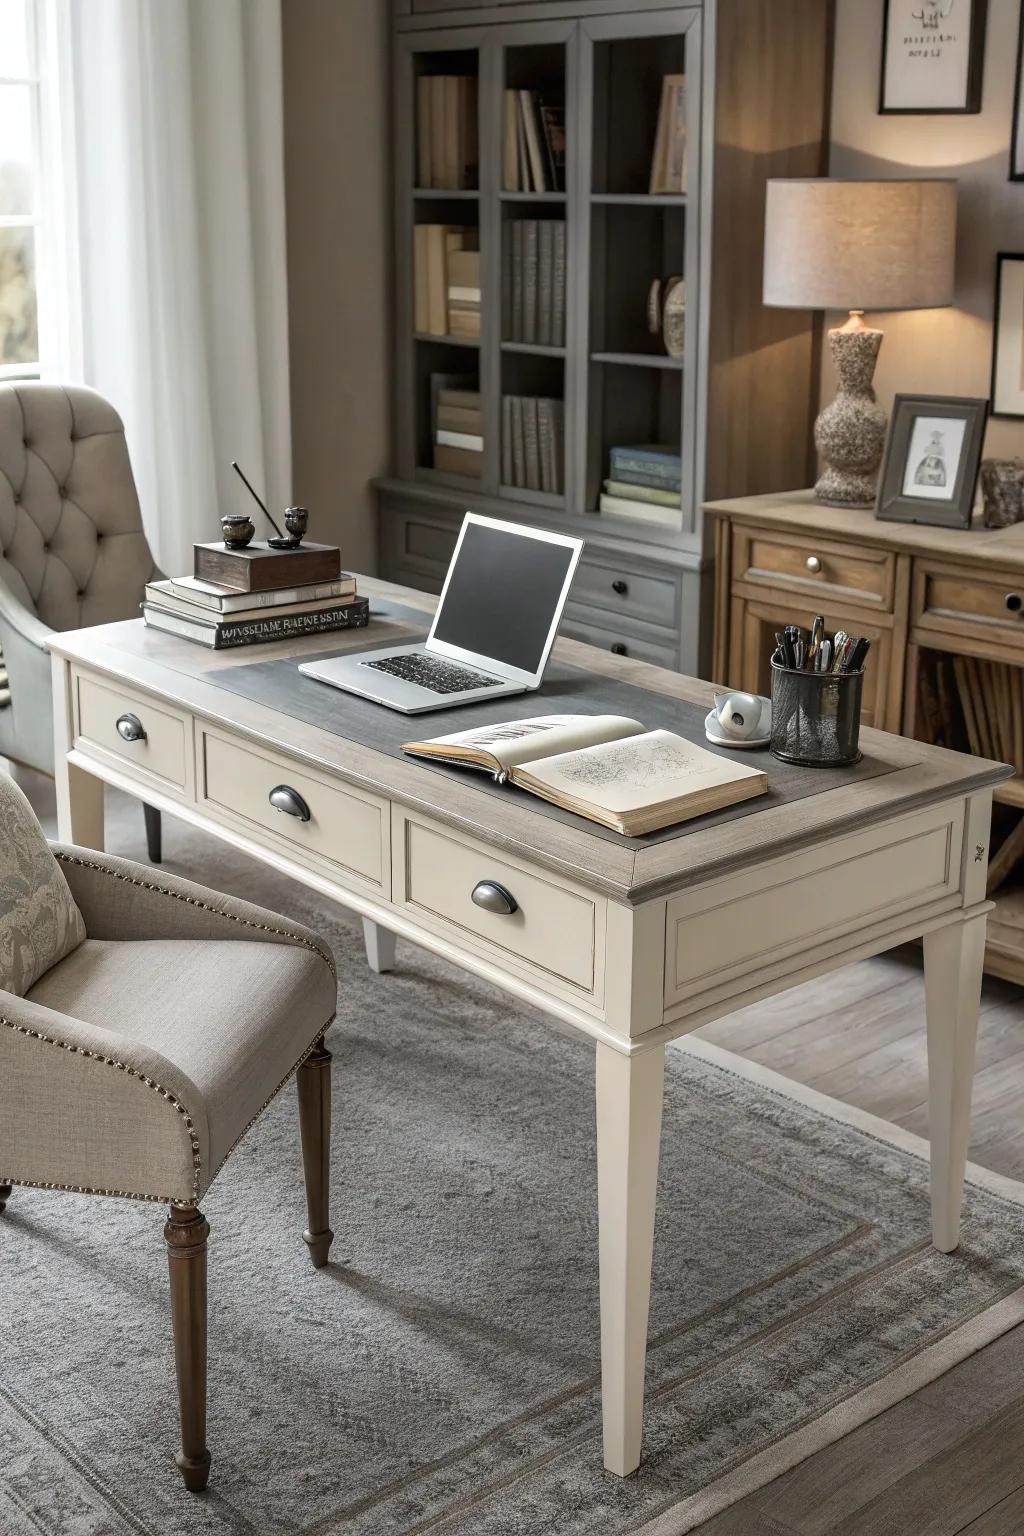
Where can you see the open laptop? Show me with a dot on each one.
(493, 631)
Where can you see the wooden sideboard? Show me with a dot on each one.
(944, 610)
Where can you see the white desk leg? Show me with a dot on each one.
(79, 794)
(629, 1094)
(380, 947)
(953, 959)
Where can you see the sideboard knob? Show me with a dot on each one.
(494, 898)
(1014, 602)
(813, 564)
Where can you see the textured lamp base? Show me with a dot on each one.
(850, 433)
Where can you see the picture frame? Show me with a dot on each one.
(933, 57)
(1017, 123)
(932, 459)
(1008, 338)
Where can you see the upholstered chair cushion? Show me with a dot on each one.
(39, 921)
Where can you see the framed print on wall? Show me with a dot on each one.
(932, 458)
(1017, 126)
(933, 55)
(1008, 338)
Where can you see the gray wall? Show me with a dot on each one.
(939, 352)
(336, 114)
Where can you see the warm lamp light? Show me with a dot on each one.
(857, 245)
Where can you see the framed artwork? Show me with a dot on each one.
(933, 55)
(1008, 338)
(932, 458)
(1017, 126)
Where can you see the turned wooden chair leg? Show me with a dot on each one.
(5, 1195)
(185, 1234)
(314, 1084)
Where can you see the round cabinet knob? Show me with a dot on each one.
(620, 587)
(283, 798)
(494, 898)
(618, 649)
(1014, 602)
(130, 728)
(813, 564)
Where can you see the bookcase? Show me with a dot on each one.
(729, 407)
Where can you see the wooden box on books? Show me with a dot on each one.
(261, 569)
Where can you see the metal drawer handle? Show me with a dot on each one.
(813, 564)
(618, 649)
(620, 587)
(494, 898)
(283, 798)
(1014, 602)
(130, 728)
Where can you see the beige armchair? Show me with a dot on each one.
(145, 1024)
(72, 548)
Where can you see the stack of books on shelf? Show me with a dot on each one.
(259, 594)
(534, 149)
(458, 426)
(668, 162)
(446, 132)
(532, 443)
(446, 280)
(645, 482)
(533, 292)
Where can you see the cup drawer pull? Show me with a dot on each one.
(130, 728)
(283, 798)
(494, 898)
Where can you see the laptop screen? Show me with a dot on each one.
(503, 594)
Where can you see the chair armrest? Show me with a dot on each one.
(26, 726)
(86, 1109)
(120, 899)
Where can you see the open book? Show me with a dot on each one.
(604, 767)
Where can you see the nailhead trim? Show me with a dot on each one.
(84, 1189)
(205, 906)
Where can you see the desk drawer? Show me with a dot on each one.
(988, 608)
(162, 753)
(554, 928)
(347, 831)
(810, 564)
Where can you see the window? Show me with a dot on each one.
(20, 188)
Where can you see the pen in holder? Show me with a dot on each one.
(816, 716)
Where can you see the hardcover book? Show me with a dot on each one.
(227, 633)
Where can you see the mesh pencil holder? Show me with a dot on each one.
(816, 717)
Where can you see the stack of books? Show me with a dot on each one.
(446, 132)
(533, 291)
(645, 482)
(446, 274)
(534, 149)
(458, 426)
(668, 162)
(532, 443)
(221, 616)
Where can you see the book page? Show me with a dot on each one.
(526, 741)
(647, 770)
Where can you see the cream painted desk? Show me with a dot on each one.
(631, 947)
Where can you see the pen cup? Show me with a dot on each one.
(816, 717)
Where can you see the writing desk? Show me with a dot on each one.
(630, 943)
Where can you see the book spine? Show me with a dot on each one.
(558, 446)
(544, 437)
(437, 284)
(518, 265)
(518, 443)
(558, 286)
(532, 440)
(510, 157)
(506, 440)
(631, 477)
(350, 616)
(545, 282)
(530, 244)
(436, 83)
(627, 465)
(470, 440)
(657, 497)
(421, 278)
(424, 172)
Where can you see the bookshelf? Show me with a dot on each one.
(593, 78)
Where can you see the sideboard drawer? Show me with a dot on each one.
(806, 564)
(985, 607)
(554, 928)
(347, 831)
(152, 740)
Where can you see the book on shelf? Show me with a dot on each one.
(446, 257)
(651, 464)
(226, 634)
(220, 599)
(463, 277)
(534, 309)
(668, 161)
(456, 425)
(640, 511)
(447, 158)
(471, 440)
(605, 767)
(459, 461)
(647, 493)
(532, 439)
(533, 151)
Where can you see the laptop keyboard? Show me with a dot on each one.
(430, 673)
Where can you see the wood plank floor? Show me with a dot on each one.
(948, 1461)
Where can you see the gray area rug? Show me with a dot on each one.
(441, 1375)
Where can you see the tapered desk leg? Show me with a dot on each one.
(629, 1095)
(314, 1084)
(953, 960)
(380, 947)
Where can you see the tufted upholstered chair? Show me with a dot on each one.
(145, 1023)
(72, 549)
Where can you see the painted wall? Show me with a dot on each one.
(939, 352)
(336, 116)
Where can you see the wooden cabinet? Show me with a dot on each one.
(944, 611)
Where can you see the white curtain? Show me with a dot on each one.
(173, 239)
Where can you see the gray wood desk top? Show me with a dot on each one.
(185, 674)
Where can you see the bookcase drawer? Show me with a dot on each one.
(151, 740)
(347, 831)
(554, 927)
(622, 641)
(812, 564)
(616, 589)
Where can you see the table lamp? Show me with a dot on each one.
(857, 245)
